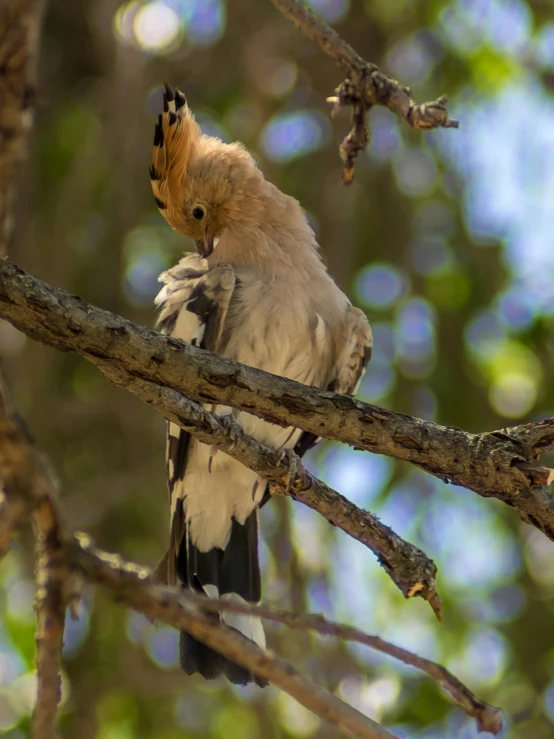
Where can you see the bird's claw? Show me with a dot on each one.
(292, 470)
(232, 430)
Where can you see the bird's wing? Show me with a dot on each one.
(352, 360)
(355, 353)
(192, 306)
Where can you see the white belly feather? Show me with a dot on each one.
(282, 344)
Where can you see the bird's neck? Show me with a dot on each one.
(275, 241)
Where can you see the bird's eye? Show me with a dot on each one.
(198, 213)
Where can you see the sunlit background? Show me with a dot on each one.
(445, 239)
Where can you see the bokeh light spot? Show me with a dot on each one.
(513, 395)
(484, 334)
(381, 285)
(411, 60)
(486, 657)
(416, 173)
(288, 136)
(430, 256)
(358, 475)
(415, 329)
(163, 647)
(204, 20)
(156, 27)
(295, 718)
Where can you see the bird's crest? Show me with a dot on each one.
(175, 136)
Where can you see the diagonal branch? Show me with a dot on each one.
(131, 585)
(497, 464)
(488, 717)
(171, 604)
(364, 87)
(64, 561)
(408, 567)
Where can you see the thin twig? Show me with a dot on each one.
(132, 586)
(62, 565)
(497, 464)
(61, 558)
(488, 717)
(364, 87)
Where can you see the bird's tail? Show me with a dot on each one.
(232, 573)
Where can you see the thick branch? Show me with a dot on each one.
(19, 25)
(364, 87)
(409, 568)
(498, 464)
(65, 561)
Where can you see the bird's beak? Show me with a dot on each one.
(206, 245)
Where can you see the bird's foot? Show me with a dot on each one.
(292, 467)
(231, 429)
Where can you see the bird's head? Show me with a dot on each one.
(201, 185)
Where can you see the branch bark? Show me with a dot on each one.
(364, 87)
(30, 489)
(498, 464)
(132, 587)
(25, 476)
(488, 717)
(51, 578)
(408, 567)
(63, 562)
(19, 33)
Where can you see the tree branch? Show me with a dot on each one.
(131, 585)
(51, 579)
(364, 87)
(19, 27)
(408, 567)
(29, 488)
(497, 464)
(25, 475)
(488, 717)
(65, 561)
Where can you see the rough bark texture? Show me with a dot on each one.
(51, 578)
(497, 464)
(488, 717)
(131, 586)
(408, 567)
(19, 27)
(365, 86)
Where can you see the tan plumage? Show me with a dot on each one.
(256, 292)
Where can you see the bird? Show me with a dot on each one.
(254, 290)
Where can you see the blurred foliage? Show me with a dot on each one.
(444, 238)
